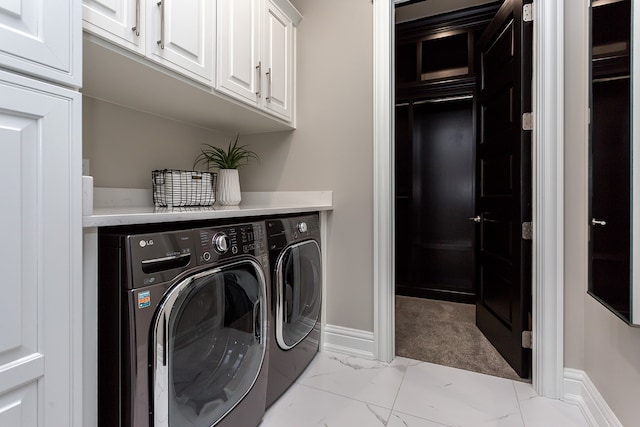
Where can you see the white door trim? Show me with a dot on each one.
(383, 182)
(548, 200)
(548, 179)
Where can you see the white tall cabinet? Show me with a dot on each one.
(40, 222)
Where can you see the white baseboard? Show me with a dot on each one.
(579, 390)
(353, 342)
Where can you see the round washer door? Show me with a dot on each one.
(208, 345)
(298, 292)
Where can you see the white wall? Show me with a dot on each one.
(332, 147)
(576, 183)
(596, 341)
(125, 145)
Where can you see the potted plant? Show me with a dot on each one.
(228, 161)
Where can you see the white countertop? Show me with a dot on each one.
(114, 207)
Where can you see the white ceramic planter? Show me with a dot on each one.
(228, 187)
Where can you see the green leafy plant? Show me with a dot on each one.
(233, 157)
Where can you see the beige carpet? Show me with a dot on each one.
(445, 333)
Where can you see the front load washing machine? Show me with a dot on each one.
(182, 326)
(296, 263)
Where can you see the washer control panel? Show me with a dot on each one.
(224, 242)
(220, 242)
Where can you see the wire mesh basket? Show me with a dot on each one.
(172, 187)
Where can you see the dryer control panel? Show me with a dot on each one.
(223, 242)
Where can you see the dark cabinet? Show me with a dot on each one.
(437, 53)
(435, 153)
(610, 156)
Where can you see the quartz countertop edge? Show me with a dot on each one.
(114, 207)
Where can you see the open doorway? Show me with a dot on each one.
(463, 188)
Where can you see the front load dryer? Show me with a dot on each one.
(296, 263)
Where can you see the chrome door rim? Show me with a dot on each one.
(279, 274)
(160, 368)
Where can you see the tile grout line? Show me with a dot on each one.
(513, 385)
(397, 393)
(341, 395)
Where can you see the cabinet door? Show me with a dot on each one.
(278, 62)
(238, 53)
(42, 38)
(181, 36)
(119, 21)
(40, 308)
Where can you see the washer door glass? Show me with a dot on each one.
(209, 344)
(298, 270)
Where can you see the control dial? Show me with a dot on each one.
(302, 227)
(220, 242)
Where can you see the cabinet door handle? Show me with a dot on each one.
(136, 28)
(600, 222)
(161, 41)
(259, 70)
(268, 98)
(475, 218)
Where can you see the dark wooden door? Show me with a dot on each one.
(503, 196)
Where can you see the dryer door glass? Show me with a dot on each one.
(298, 295)
(209, 344)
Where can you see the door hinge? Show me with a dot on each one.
(527, 12)
(527, 230)
(527, 121)
(527, 339)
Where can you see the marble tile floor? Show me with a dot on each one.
(343, 391)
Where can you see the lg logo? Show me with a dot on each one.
(144, 243)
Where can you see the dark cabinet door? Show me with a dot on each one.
(503, 196)
(610, 157)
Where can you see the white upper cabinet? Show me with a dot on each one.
(42, 38)
(181, 36)
(278, 62)
(119, 21)
(177, 34)
(255, 53)
(238, 52)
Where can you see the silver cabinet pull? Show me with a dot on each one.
(600, 222)
(259, 70)
(161, 41)
(137, 26)
(268, 98)
(475, 218)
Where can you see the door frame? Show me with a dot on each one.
(548, 191)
